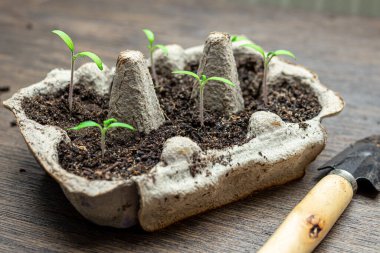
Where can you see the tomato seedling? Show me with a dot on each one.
(237, 38)
(107, 124)
(153, 47)
(267, 57)
(70, 44)
(202, 81)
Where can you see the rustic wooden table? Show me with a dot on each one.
(34, 213)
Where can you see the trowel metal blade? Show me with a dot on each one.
(361, 160)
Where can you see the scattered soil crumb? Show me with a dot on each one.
(13, 123)
(198, 164)
(303, 125)
(4, 89)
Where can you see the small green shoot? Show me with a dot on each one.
(70, 44)
(202, 81)
(107, 124)
(237, 38)
(153, 47)
(267, 57)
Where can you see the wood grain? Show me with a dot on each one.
(344, 51)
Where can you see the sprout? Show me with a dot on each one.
(202, 81)
(237, 38)
(107, 124)
(152, 47)
(267, 57)
(69, 43)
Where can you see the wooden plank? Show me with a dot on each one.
(35, 215)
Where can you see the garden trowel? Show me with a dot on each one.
(310, 221)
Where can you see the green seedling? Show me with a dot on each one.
(69, 43)
(107, 124)
(202, 81)
(267, 57)
(237, 38)
(153, 47)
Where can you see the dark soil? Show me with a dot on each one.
(124, 158)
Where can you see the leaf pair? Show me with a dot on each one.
(270, 54)
(203, 80)
(109, 123)
(150, 36)
(267, 57)
(70, 44)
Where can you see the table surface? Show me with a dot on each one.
(343, 50)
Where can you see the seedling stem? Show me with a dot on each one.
(70, 44)
(267, 57)
(153, 47)
(107, 124)
(202, 81)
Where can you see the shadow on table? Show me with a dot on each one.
(79, 233)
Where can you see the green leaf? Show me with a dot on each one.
(270, 53)
(85, 124)
(256, 47)
(221, 79)
(109, 121)
(236, 38)
(163, 48)
(189, 73)
(284, 52)
(150, 35)
(123, 125)
(66, 38)
(93, 57)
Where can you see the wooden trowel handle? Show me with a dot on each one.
(310, 221)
